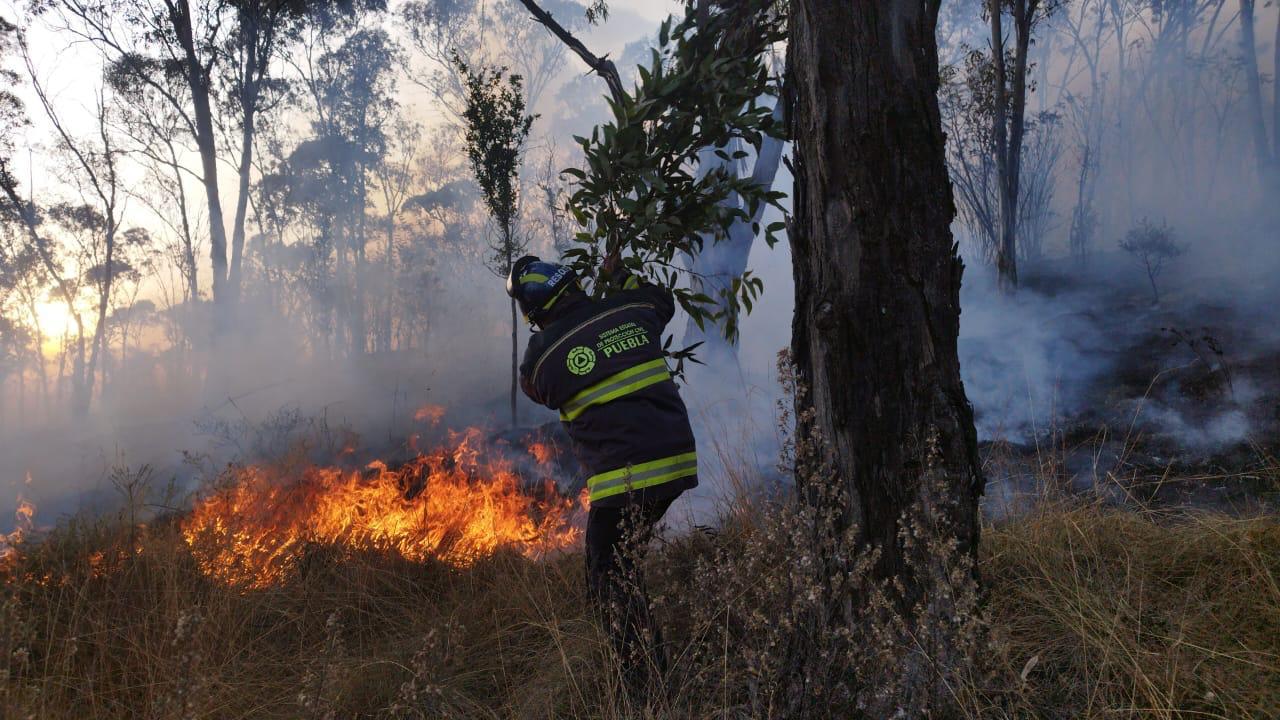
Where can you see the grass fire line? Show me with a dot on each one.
(457, 503)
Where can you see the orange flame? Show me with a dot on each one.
(456, 504)
(23, 522)
(429, 413)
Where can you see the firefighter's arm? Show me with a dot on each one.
(531, 354)
(618, 276)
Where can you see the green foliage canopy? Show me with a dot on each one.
(639, 192)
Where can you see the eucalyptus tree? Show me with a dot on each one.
(153, 44)
(157, 141)
(481, 33)
(394, 174)
(874, 343)
(213, 63)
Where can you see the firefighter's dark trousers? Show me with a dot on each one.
(616, 539)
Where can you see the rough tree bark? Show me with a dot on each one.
(877, 282)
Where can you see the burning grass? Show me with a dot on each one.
(456, 504)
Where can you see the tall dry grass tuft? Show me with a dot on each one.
(1109, 612)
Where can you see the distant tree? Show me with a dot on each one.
(157, 136)
(394, 175)
(248, 89)
(553, 191)
(16, 209)
(967, 104)
(1042, 149)
(348, 80)
(1009, 102)
(1153, 246)
(153, 43)
(94, 162)
(1085, 24)
(482, 34)
(496, 127)
(1266, 149)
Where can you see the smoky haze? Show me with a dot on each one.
(1151, 109)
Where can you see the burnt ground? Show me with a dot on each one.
(1169, 404)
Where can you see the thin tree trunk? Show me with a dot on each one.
(388, 279)
(1265, 157)
(877, 283)
(104, 300)
(1275, 109)
(242, 198)
(249, 107)
(42, 371)
(1006, 257)
(1023, 11)
(515, 362)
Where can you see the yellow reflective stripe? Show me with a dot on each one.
(554, 298)
(648, 474)
(615, 386)
(532, 277)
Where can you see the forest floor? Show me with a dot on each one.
(1154, 405)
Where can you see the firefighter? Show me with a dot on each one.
(600, 364)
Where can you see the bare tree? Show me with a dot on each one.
(395, 178)
(16, 208)
(95, 171)
(1009, 117)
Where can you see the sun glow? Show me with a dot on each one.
(55, 323)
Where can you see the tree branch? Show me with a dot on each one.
(602, 66)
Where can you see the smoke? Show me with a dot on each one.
(1079, 346)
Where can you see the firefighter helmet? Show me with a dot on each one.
(536, 285)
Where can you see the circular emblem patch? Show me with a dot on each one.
(581, 360)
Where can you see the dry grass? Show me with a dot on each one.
(1093, 612)
(1109, 612)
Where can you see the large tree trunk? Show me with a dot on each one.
(877, 283)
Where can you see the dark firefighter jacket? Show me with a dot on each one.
(600, 364)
